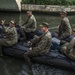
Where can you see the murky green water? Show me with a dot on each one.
(8, 5)
(12, 66)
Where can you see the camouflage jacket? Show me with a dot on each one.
(10, 34)
(65, 29)
(30, 25)
(42, 43)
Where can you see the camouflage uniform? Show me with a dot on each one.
(10, 37)
(64, 29)
(69, 49)
(29, 26)
(42, 45)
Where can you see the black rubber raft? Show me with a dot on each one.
(54, 57)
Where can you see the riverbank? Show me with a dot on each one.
(47, 8)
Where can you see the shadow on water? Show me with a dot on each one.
(12, 66)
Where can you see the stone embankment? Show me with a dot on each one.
(47, 8)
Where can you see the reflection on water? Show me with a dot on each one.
(53, 20)
(12, 66)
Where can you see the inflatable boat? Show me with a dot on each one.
(54, 57)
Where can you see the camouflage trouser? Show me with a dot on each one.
(27, 55)
(27, 35)
(32, 53)
(22, 29)
(70, 54)
(69, 50)
(64, 48)
(2, 43)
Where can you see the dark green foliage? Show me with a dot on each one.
(49, 2)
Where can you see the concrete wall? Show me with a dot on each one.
(19, 4)
(47, 8)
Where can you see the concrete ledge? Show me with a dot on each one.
(47, 8)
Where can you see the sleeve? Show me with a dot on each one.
(68, 27)
(29, 23)
(10, 31)
(42, 44)
(67, 30)
(64, 35)
(25, 22)
(4, 28)
(34, 40)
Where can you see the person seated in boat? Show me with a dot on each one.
(10, 35)
(64, 29)
(41, 44)
(28, 27)
(69, 48)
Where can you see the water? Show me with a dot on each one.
(12, 66)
